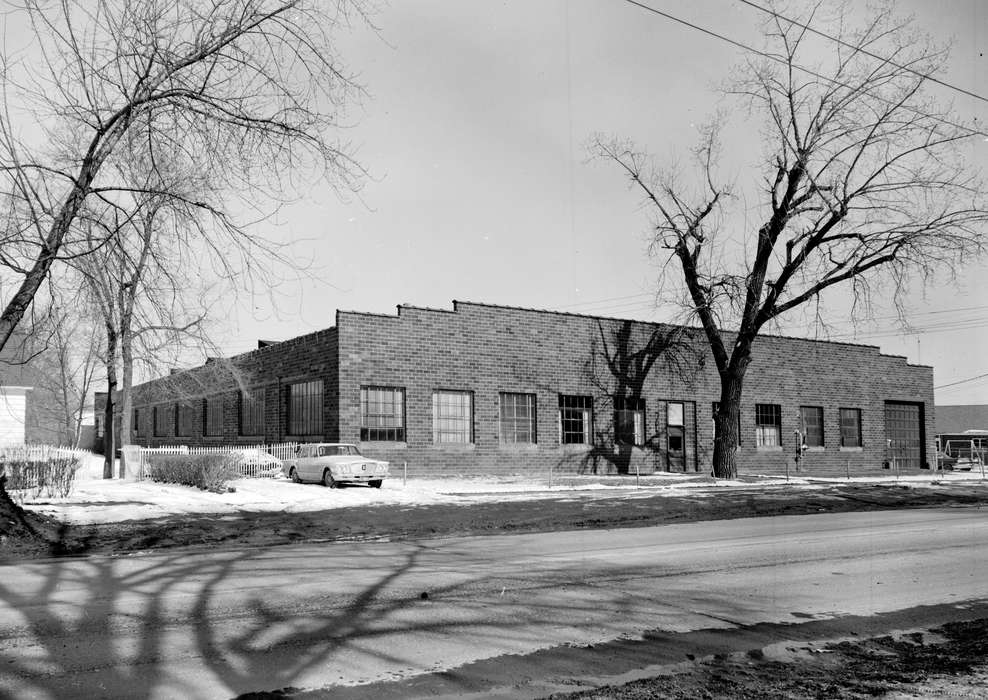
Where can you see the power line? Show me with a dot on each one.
(779, 59)
(962, 381)
(859, 49)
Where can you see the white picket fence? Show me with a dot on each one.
(253, 461)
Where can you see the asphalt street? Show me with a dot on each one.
(325, 616)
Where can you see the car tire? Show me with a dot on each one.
(328, 481)
(375, 483)
(294, 476)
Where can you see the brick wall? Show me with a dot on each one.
(487, 350)
(270, 370)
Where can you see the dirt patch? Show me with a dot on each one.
(565, 511)
(952, 663)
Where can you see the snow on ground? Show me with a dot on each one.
(96, 500)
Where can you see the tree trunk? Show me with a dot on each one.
(726, 424)
(109, 433)
(126, 400)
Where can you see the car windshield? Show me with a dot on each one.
(338, 450)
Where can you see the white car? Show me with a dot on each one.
(334, 463)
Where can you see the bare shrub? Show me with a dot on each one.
(38, 471)
(209, 472)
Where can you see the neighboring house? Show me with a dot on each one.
(28, 410)
(958, 419)
(495, 389)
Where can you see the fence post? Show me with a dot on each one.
(550, 475)
(637, 485)
(404, 474)
(847, 468)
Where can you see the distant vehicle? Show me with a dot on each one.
(962, 451)
(334, 463)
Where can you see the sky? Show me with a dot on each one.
(475, 133)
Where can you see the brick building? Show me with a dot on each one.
(494, 389)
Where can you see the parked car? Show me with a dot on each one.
(255, 462)
(334, 463)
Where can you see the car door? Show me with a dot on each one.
(303, 463)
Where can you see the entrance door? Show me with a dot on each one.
(904, 434)
(675, 437)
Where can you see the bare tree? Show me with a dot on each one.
(863, 182)
(250, 91)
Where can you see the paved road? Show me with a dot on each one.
(220, 624)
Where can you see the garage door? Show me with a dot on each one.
(904, 431)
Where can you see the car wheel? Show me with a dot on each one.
(294, 476)
(328, 481)
(376, 483)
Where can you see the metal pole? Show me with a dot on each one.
(787, 470)
(404, 474)
(637, 485)
(847, 468)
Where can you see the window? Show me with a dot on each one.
(714, 409)
(160, 421)
(382, 413)
(811, 423)
(629, 421)
(305, 408)
(452, 417)
(850, 427)
(135, 422)
(675, 439)
(212, 408)
(518, 418)
(99, 424)
(575, 419)
(768, 425)
(252, 412)
(185, 419)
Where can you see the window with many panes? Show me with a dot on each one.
(629, 421)
(161, 416)
(382, 413)
(452, 417)
(518, 418)
(811, 425)
(850, 427)
(252, 412)
(716, 407)
(575, 419)
(212, 420)
(305, 408)
(185, 419)
(768, 425)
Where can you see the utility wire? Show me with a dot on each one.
(962, 381)
(859, 49)
(783, 61)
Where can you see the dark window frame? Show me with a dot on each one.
(629, 421)
(856, 413)
(449, 423)
(518, 418)
(159, 421)
(304, 402)
(813, 432)
(184, 413)
(212, 416)
(250, 412)
(768, 415)
(376, 423)
(575, 419)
